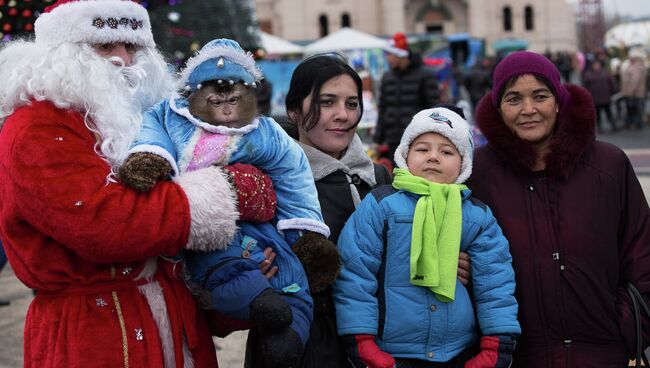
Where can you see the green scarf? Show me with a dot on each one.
(434, 252)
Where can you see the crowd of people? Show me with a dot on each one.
(151, 212)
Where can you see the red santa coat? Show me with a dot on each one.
(81, 242)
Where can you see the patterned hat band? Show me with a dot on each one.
(94, 22)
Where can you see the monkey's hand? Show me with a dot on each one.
(141, 170)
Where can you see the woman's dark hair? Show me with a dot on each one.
(514, 80)
(309, 77)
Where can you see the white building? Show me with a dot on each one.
(546, 25)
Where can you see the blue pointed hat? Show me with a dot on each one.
(221, 60)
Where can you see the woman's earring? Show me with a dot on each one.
(557, 109)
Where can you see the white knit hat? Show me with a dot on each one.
(447, 123)
(94, 22)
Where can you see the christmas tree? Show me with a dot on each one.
(17, 16)
(181, 27)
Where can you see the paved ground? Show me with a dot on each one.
(230, 351)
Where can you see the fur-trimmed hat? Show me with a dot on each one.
(526, 62)
(94, 22)
(398, 45)
(222, 60)
(444, 121)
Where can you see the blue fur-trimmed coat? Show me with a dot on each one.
(171, 131)
(373, 294)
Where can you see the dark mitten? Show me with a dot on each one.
(496, 352)
(255, 194)
(270, 310)
(362, 352)
(142, 170)
(319, 258)
(280, 347)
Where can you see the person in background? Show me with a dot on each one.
(633, 86)
(109, 292)
(264, 88)
(602, 86)
(573, 211)
(406, 88)
(478, 81)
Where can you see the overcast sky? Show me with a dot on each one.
(636, 8)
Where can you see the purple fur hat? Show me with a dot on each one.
(526, 62)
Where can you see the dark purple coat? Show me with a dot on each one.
(578, 232)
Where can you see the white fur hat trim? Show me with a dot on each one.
(95, 22)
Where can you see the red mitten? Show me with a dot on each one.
(362, 352)
(496, 352)
(255, 194)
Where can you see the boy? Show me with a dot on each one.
(397, 297)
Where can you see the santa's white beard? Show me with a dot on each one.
(112, 98)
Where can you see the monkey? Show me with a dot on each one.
(214, 102)
(213, 121)
(233, 106)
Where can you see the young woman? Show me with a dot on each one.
(325, 104)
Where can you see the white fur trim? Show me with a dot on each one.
(185, 156)
(221, 129)
(149, 269)
(396, 51)
(156, 150)
(212, 207)
(245, 59)
(154, 294)
(74, 22)
(304, 224)
(188, 361)
(460, 135)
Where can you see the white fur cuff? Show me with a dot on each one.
(212, 207)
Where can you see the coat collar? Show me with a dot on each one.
(575, 131)
(355, 160)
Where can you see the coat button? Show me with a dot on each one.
(430, 354)
(433, 307)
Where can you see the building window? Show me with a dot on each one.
(324, 25)
(507, 18)
(345, 20)
(529, 16)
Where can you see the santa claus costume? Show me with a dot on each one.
(88, 245)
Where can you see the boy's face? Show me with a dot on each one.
(433, 157)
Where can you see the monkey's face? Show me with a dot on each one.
(231, 106)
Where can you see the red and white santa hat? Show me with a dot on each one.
(94, 22)
(398, 45)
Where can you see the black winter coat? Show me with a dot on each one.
(403, 94)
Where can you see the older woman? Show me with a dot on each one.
(573, 211)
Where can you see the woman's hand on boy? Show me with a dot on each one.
(464, 268)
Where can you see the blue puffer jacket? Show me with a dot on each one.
(171, 131)
(373, 294)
